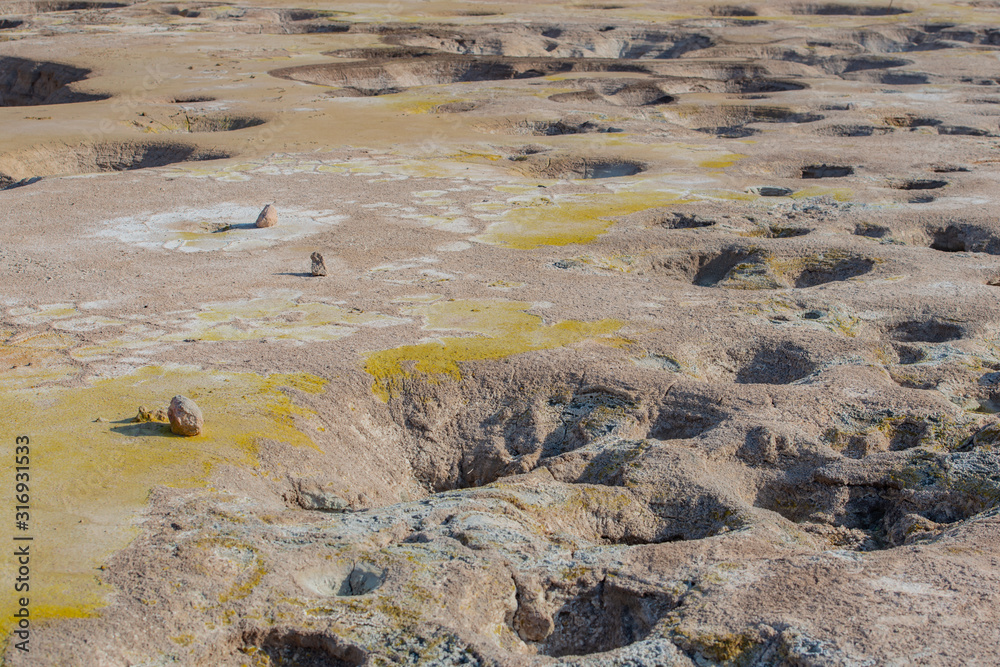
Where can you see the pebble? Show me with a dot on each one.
(185, 416)
(268, 217)
(318, 265)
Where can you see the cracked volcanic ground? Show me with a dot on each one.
(653, 333)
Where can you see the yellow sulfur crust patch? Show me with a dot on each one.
(722, 162)
(90, 479)
(570, 219)
(505, 328)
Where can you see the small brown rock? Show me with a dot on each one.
(144, 415)
(185, 416)
(318, 265)
(147, 415)
(268, 217)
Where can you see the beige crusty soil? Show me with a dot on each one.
(653, 333)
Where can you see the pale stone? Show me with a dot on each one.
(185, 416)
(268, 217)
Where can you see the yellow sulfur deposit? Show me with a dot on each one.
(571, 219)
(505, 328)
(92, 468)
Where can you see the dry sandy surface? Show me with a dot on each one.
(654, 333)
